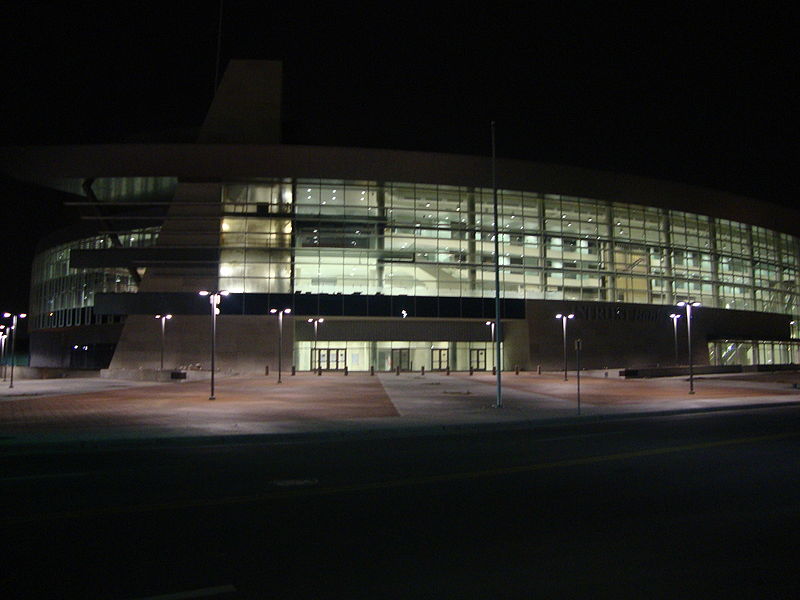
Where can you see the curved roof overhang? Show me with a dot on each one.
(226, 162)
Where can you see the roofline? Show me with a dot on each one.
(230, 162)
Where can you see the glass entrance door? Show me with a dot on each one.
(329, 359)
(439, 359)
(477, 359)
(401, 357)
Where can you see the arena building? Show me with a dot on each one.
(395, 251)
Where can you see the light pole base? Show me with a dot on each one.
(212, 397)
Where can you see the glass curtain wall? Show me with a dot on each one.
(388, 356)
(323, 236)
(749, 352)
(63, 297)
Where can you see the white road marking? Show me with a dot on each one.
(199, 593)
(48, 476)
(294, 482)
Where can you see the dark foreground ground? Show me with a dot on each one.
(692, 506)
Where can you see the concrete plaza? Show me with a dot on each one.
(48, 411)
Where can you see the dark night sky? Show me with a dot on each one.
(671, 92)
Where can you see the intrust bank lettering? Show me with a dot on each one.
(589, 312)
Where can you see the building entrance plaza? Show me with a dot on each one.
(55, 410)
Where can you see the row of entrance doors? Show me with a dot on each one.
(335, 359)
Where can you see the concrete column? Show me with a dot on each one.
(667, 228)
(611, 281)
(752, 268)
(292, 237)
(472, 259)
(712, 249)
(380, 235)
(781, 286)
(542, 249)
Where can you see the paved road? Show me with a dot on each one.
(704, 505)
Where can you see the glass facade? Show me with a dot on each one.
(322, 236)
(367, 237)
(748, 352)
(64, 297)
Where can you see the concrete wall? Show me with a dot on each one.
(516, 345)
(614, 335)
(244, 344)
(52, 347)
(619, 335)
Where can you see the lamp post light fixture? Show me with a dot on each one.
(213, 298)
(564, 318)
(280, 313)
(491, 325)
(314, 356)
(688, 305)
(675, 317)
(13, 340)
(163, 319)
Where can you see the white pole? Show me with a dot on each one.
(13, 344)
(497, 327)
(689, 336)
(280, 343)
(214, 299)
(564, 336)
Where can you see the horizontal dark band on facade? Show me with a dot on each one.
(345, 305)
(141, 257)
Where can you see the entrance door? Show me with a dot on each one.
(330, 359)
(401, 357)
(477, 359)
(439, 359)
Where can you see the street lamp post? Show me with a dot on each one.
(13, 340)
(280, 313)
(213, 298)
(689, 305)
(314, 356)
(675, 317)
(163, 319)
(491, 324)
(564, 319)
(3, 337)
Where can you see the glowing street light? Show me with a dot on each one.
(13, 340)
(213, 298)
(564, 319)
(491, 324)
(280, 313)
(688, 305)
(163, 319)
(675, 317)
(315, 358)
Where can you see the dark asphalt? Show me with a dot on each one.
(704, 505)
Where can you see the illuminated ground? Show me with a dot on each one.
(53, 410)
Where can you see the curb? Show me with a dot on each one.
(360, 432)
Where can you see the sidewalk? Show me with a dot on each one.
(91, 411)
